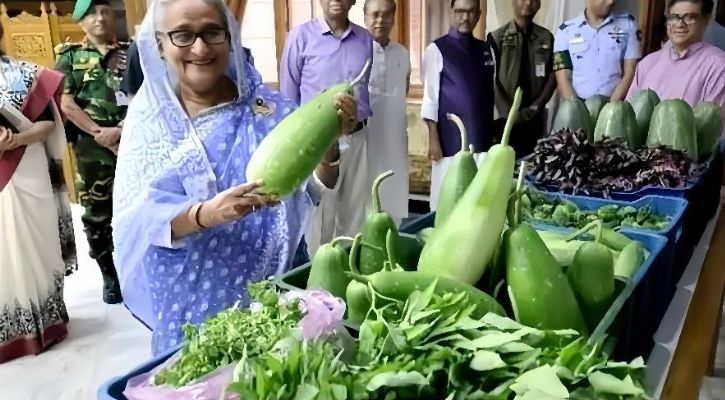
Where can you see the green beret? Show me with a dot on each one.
(82, 6)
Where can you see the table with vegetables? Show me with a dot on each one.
(529, 282)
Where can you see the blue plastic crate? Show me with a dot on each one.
(664, 282)
(113, 388)
(633, 316)
(671, 207)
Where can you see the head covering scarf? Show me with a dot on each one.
(163, 169)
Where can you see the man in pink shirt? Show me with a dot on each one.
(686, 67)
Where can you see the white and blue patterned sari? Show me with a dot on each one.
(167, 162)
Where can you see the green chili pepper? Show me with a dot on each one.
(328, 269)
(374, 253)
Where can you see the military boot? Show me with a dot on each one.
(111, 287)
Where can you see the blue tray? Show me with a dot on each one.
(113, 388)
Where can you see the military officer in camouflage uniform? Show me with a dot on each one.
(95, 107)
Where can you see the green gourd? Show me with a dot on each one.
(374, 250)
(630, 259)
(463, 246)
(573, 114)
(708, 120)
(328, 269)
(292, 150)
(459, 175)
(644, 103)
(673, 125)
(595, 104)
(592, 277)
(617, 120)
(540, 292)
(358, 301)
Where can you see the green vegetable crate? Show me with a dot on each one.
(624, 319)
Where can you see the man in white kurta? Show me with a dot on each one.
(387, 136)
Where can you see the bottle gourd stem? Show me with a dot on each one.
(377, 207)
(513, 116)
(462, 129)
(518, 194)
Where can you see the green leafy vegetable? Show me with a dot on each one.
(232, 335)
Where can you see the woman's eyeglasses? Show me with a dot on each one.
(185, 38)
(688, 19)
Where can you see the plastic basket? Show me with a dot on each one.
(113, 388)
(663, 283)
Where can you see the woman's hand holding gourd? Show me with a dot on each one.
(347, 110)
(233, 204)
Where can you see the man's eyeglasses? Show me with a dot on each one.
(185, 38)
(688, 19)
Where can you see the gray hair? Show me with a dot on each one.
(219, 5)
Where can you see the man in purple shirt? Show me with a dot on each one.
(686, 67)
(318, 55)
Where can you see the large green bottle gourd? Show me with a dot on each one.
(463, 246)
(595, 104)
(644, 103)
(539, 290)
(673, 125)
(290, 153)
(617, 120)
(573, 114)
(708, 120)
(460, 174)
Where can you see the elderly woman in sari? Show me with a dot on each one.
(37, 248)
(189, 231)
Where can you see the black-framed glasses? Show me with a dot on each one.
(688, 19)
(185, 38)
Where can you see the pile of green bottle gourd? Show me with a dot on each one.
(553, 281)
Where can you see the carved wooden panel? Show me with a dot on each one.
(62, 27)
(27, 37)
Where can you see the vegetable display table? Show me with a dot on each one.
(687, 338)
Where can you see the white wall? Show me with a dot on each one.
(258, 36)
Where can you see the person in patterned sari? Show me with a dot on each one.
(189, 231)
(37, 247)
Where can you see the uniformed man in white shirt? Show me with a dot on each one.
(386, 132)
(596, 53)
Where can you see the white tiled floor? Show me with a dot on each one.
(104, 341)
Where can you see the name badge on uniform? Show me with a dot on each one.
(540, 70)
(577, 39)
(121, 99)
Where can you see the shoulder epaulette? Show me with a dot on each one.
(64, 47)
(627, 16)
(563, 26)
